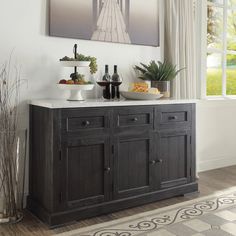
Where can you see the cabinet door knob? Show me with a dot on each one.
(135, 119)
(159, 161)
(173, 117)
(86, 123)
(153, 162)
(108, 169)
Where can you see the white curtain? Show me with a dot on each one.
(180, 46)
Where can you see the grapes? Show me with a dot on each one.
(93, 62)
(80, 57)
(93, 65)
(66, 58)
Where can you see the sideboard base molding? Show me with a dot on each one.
(58, 219)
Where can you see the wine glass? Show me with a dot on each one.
(104, 81)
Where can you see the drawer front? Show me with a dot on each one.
(170, 116)
(133, 118)
(85, 121)
(174, 117)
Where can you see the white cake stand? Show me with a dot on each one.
(75, 63)
(76, 90)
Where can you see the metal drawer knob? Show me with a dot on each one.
(135, 119)
(86, 123)
(153, 162)
(108, 169)
(173, 118)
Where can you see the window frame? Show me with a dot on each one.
(224, 51)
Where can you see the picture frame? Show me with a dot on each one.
(115, 21)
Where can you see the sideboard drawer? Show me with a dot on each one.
(173, 115)
(133, 118)
(85, 121)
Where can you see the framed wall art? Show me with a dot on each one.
(117, 21)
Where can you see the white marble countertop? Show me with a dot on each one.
(54, 104)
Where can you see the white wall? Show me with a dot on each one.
(216, 134)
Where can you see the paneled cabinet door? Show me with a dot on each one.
(85, 173)
(132, 165)
(174, 150)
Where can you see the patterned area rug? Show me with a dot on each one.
(213, 215)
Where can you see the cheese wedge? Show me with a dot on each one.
(153, 91)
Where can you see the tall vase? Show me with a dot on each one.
(163, 87)
(12, 175)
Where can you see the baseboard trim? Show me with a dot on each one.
(215, 163)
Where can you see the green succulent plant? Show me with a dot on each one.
(160, 71)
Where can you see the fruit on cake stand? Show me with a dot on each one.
(77, 82)
(75, 87)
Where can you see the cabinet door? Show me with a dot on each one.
(174, 155)
(85, 172)
(132, 165)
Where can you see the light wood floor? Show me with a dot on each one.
(209, 182)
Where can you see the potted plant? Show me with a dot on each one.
(159, 73)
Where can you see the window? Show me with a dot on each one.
(221, 48)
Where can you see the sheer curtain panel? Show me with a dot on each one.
(180, 46)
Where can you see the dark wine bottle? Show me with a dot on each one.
(115, 80)
(105, 82)
(115, 76)
(106, 76)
